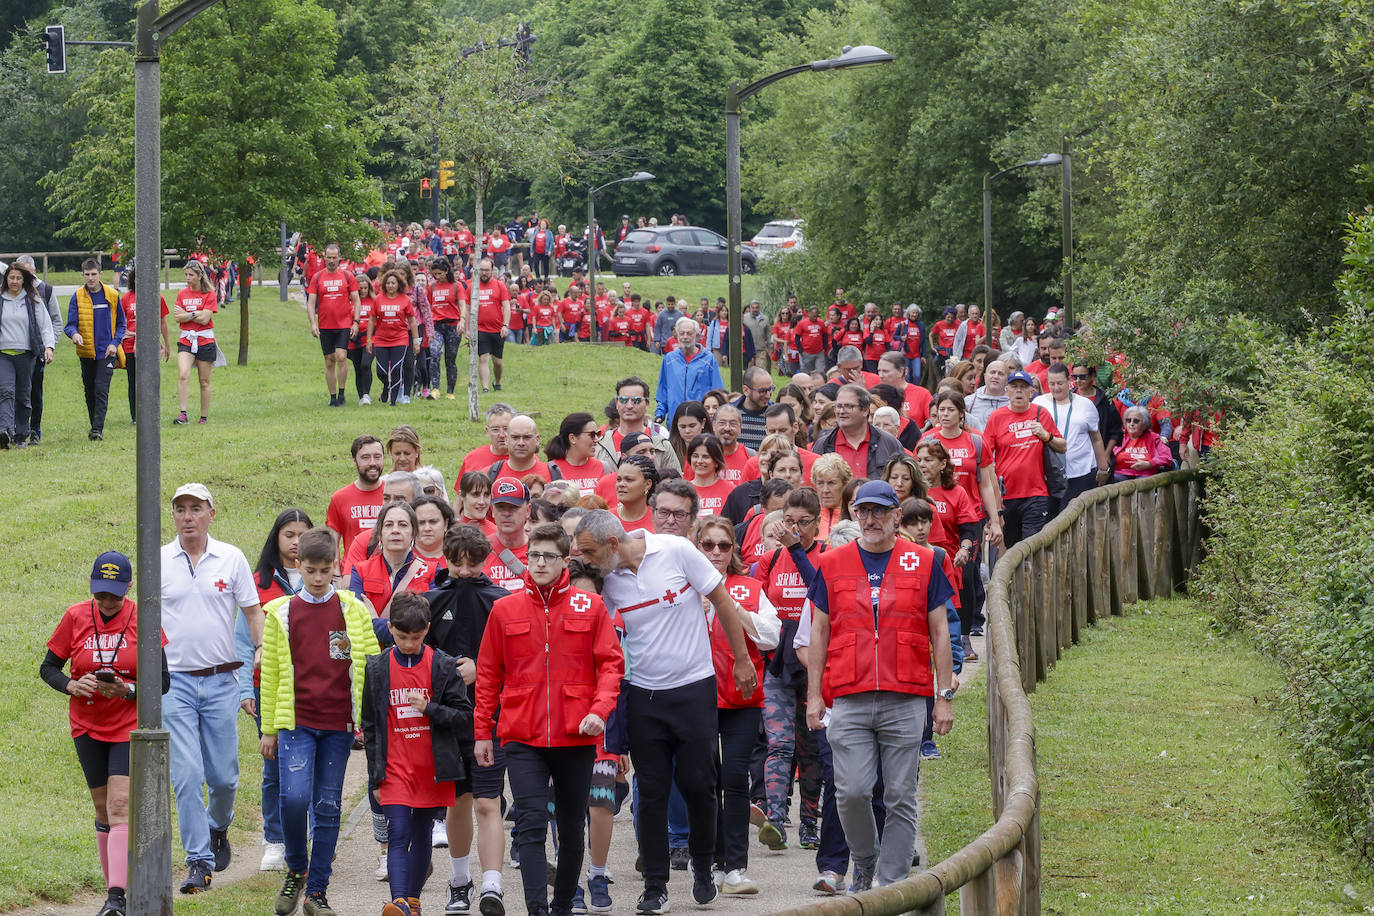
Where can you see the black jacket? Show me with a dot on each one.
(449, 712)
(458, 611)
(882, 448)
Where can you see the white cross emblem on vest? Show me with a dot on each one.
(910, 562)
(739, 592)
(580, 603)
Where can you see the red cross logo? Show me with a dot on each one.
(739, 592)
(910, 562)
(669, 595)
(580, 603)
(221, 585)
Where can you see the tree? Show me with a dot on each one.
(488, 113)
(254, 131)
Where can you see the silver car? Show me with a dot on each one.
(670, 251)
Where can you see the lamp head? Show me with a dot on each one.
(855, 56)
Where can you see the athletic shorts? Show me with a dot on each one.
(484, 782)
(491, 342)
(332, 339)
(101, 759)
(205, 353)
(602, 794)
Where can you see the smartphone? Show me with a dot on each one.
(107, 677)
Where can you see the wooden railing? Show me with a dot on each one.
(1109, 548)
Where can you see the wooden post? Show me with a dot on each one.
(1065, 562)
(1126, 549)
(979, 896)
(1144, 503)
(1030, 870)
(1044, 616)
(1112, 547)
(1081, 587)
(997, 734)
(1026, 625)
(1099, 569)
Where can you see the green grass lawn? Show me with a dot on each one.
(1166, 786)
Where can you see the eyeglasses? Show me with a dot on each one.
(871, 511)
(710, 546)
(799, 522)
(538, 557)
(1134, 420)
(620, 399)
(680, 515)
(839, 407)
(1079, 378)
(762, 390)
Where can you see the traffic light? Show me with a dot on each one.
(424, 188)
(445, 174)
(55, 46)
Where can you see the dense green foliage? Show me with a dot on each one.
(1290, 555)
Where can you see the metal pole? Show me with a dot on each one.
(150, 816)
(285, 276)
(732, 218)
(591, 258)
(1068, 236)
(987, 257)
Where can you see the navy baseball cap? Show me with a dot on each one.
(1021, 375)
(876, 493)
(111, 573)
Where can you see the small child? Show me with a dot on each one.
(415, 708)
(313, 650)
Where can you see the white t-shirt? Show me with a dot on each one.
(1074, 420)
(666, 641)
(198, 607)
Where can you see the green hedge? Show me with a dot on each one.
(1292, 552)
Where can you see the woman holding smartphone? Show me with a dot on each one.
(99, 639)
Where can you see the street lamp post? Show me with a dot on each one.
(851, 57)
(592, 252)
(991, 178)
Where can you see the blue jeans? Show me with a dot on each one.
(201, 715)
(913, 370)
(312, 763)
(271, 790)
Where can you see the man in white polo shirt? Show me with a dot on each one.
(205, 583)
(656, 582)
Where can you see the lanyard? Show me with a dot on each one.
(1067, 417)
(95, 627)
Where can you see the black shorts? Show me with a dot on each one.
(332, 339)
(101, 759)
(484, 782)
(492, 342)
(205, 353)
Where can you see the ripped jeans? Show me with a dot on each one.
(310, 766)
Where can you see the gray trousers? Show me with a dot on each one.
(812, 362)
(865, 729)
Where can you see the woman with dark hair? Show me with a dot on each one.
(713, 399)
(793, 396)
(784, 347)
(635, 481)
(391, 565)
(853, 335)
(447, 299)
(417, 360)
(957, 528)
(705, 462)
(26, 335)
(391, 333)
(474, 502)
(432, 519)
(905, 477)
(359, 354)
(127, 302)
(689, 421)
(572, 451)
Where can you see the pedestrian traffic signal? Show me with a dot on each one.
(424, 188)
(445, 174)
(55, 46)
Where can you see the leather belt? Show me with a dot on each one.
(217, 669)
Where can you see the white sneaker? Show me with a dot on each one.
(404, 399)
(439, 838)
(381, 872)
(273, 857)
(365, 400)
(737, 882)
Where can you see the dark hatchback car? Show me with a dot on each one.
(670, 251)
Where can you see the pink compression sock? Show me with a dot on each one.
(102, 844)
(118, 872)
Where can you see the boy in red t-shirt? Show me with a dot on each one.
(415, 707)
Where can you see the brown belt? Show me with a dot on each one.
(217, 669)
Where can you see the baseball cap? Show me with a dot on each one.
(1021, 375)
(509, 491)
(632, 440)
(197, 490)
(111, 573)
(876, 493)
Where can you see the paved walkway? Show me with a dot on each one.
(784, 878)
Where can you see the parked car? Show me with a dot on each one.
(779, 235)
(669, 251)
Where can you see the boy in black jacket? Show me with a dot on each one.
(416, 712)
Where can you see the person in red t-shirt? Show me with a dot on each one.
(846, 309)
(448, 299)
(332, 302)
(195, 312)
(358, 353)
(942, 335)
(573, 452)
(1017, 436)
(354, 508)
(706, 464)
(493, 324)
(99, 638)
(811, 339)
(127, 302)
(390, 330)
(545, 318)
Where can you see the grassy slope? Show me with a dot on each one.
(1166, 786)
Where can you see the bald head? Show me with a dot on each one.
(522, 436)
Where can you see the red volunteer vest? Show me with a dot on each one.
(746, 592)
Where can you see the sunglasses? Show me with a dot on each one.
(709, 546)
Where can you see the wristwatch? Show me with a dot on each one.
(946, 694)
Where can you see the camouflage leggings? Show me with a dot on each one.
(791, 747)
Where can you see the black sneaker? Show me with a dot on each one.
(290, 895)
(197, 878)
(459, 900)
(678, 858)
(35, 436)
(491, 903)
(653, 902)
(219, 845)
(95, 435)
(4, 438)
(703, 886)
(808, 835)
(115, 904)
(317, 905)
(497, 386)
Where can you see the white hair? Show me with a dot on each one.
(685, 322)
(431, 475)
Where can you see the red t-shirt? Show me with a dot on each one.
(446, 301)
(545, 316)
(571, 312)
(917, 399)
(875, 345)
(1018, 452)
(736, 463)
(973, 337)
(334, 305)
(392, 316)
(967, 459)
(409, 778)
(364, 315)
(539, 468)
(91, 643)
(479, 459)
(496, 569)
(126, 302)
(586, 476)
(322, 660)
(952, 508)
(751, 546)
(352, 510)
(463, 239)
(810, 336)
(639, 319)
(201, 302)
(944, 333)
(711, 500)
(852, 339)
(491, 295)
(640, 524)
